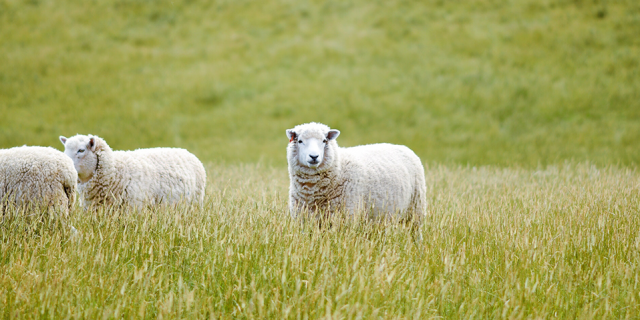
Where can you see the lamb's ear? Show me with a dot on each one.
(292, 135)
(92, 144)
(63, 139)
(333, 134)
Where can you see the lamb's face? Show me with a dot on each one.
(311, 151)
(310, 143)
(81, 149)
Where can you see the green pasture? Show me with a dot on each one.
(562, 242)
(526, 114)
(465, 82)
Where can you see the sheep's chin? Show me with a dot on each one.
(310, 168)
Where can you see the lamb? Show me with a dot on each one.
(384, 180)
(37, 178)
(135, 179)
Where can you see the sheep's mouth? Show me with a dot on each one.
(313, 163)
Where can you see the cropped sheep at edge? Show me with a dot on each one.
(136, 178)
(384, 178)
(37, 177)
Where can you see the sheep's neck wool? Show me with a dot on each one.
(96, 191)
(317, 189)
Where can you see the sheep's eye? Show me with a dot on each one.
(80, 150)
(299, 141)
(324, 141)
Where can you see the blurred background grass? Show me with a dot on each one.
(523, 82)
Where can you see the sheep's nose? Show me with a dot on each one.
(314, 158)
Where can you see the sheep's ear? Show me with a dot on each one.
(333, 134)
(63, 139)
(292, 135)
(92, 144)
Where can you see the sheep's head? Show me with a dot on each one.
(312, 144)
(82, 150)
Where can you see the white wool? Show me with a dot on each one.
(385, 180)
(36, 178)
(136, 178)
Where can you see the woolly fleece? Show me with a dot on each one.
(36, 177)
(136, 178)
(386, 179)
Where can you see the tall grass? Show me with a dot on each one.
(560, 241)
(521, 86)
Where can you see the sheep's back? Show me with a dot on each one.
(384, 173)
(37, 176)
(162, 174)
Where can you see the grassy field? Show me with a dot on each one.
(522, 82)
(562, 242)
(527, 113)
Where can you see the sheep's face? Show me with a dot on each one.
(310, 144)
(81, 149)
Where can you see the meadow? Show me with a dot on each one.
(525, 113)
(523, 82)
(562, 242)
